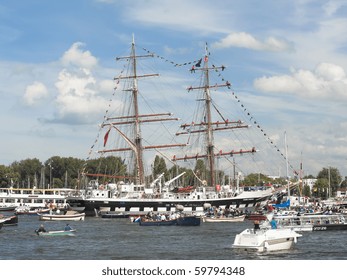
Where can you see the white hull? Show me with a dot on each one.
(135, 202)
(35, 198)
(306, 222)
(224, 219)
(65, 217)
(266, 240)
(58, 233)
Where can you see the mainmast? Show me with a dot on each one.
(207, 125)
(136, 119)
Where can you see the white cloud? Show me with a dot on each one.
(34, 93)
(331, 7)
(77, 96)
(245, 40)
(77, 57)
(327, 81)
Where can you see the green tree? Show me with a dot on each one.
(254, 179)
(8, 177)
(321, 187)
(334, 179)
(306, 191)
(159, 167)
(28, 170)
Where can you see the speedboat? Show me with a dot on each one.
(266, 239)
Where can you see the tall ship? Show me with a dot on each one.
(130, 188)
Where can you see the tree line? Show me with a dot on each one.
(58, 172)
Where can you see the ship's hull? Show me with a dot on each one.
(142, 206)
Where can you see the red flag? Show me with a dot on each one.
(106, 136)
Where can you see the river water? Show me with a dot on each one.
(119, 239)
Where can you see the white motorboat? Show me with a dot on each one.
(68, 216)
(266, 240)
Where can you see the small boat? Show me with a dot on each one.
(145, 222)
(9, 220)
(223, 219)
(266, 240)
(112, 214)
(6, 207)
(57, 233)
(68, 216)
(189, 220)
(27, 210)
(179, 221)
(187, 189)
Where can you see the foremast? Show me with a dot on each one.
(136, 119)
(208, 126)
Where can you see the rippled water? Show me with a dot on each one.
(118, 239)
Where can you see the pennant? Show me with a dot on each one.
(198, 64)
(106, 136)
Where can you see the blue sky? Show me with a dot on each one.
(286, 60)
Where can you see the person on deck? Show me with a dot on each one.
(256, 225)
(273, 223)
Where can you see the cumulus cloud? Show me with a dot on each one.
(326, 81)
(78, 100)
(34, 93)
(245, 40)
(77, 57)
(79, 97)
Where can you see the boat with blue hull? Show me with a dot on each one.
(180, 221)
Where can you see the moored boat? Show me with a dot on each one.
(35, 197)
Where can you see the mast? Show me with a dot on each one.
(135, 118)
(207, 125)
(287, 172)
(209, 130)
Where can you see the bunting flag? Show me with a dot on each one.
(106, 136)
(250, 116)
(199, 63)
(172, 62)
